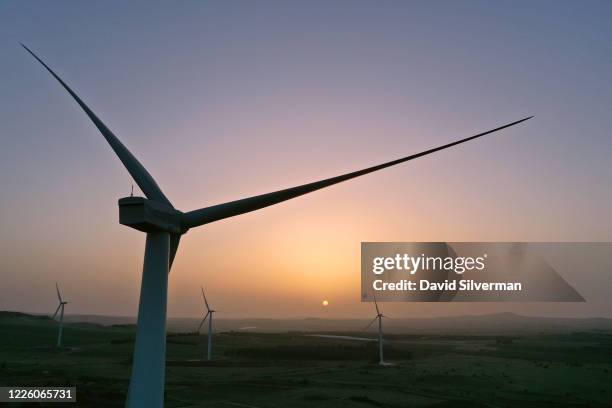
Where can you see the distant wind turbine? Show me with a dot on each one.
(379, 317)
(164, 226)
(60, 308)
(209, 315)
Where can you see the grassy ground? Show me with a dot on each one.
(295, 370)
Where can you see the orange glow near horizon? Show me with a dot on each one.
(249, 103)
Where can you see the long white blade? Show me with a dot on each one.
(376, 305)
(218, 212)
(140, 175)
(205, 301)
(370, 324)
(58, 292)
(56, 310)
(203, 320)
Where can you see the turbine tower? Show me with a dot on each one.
(379, 317)
(209, 314)
(60, 308)
(164, 225)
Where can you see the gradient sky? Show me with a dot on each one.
(223, 100)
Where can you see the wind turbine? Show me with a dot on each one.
(164, 226)
(209, 312)
(379, 317)
(60, 308)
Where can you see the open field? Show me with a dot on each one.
(296, 369)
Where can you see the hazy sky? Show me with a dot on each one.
(223, 100)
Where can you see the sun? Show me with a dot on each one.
(325, 303)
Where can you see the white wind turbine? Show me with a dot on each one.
(209, 315)
(60, 309)
(164, 226)
(379, 317)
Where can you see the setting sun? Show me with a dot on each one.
(325, 303)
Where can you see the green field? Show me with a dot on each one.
(297, 370)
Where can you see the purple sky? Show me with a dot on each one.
(223, 100)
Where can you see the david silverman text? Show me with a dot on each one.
(463, 284)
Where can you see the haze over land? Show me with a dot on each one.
(526, 369)
(502, 323)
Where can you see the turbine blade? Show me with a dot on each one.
(205, 301)
(370, 324)
(140, 175)
(56, 310)
(202, 322)
(175, 240)
(58, 292)
(218, 212)
(376, 305)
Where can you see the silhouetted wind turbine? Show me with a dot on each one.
(164, 226)
(60, 308)
(209, 315)
(379, 316)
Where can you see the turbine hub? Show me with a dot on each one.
(149, 216)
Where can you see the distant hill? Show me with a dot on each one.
(5, 314)
(500, 323)
(508, 323)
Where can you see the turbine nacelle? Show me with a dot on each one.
(150, 216)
